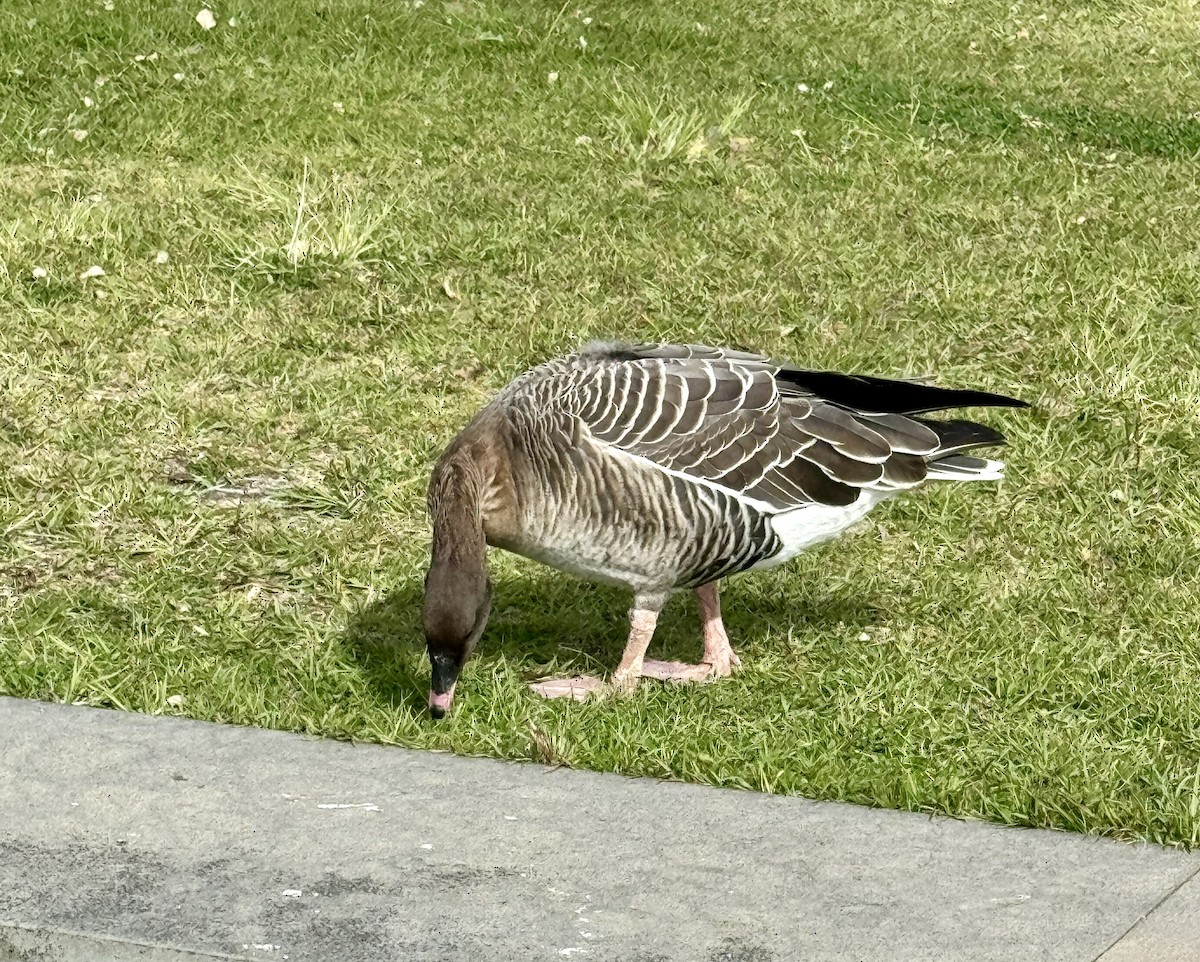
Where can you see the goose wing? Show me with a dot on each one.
(766, 432)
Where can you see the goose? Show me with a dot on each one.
(668, 467)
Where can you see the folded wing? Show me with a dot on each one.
(767, 432)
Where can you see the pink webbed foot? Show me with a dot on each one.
(675, 671)
(579, 688)
(720, 666)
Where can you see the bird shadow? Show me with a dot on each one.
(546, 623)
(385, 640)
(537, 621)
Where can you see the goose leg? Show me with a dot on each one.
(717, 650)
(719, 657)
(641, 629)
(643, 617)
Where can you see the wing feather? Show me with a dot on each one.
(760, 429)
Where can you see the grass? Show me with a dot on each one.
(329, 231)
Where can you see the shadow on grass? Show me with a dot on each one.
(536, 619)
(385, 639)
(540, 621)
(755, 616)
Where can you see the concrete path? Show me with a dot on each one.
(127, 837)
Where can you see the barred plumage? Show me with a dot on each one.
(661, 467)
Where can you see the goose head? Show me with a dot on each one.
(457, 602)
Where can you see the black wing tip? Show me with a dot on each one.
(880, 395)
(961, 435)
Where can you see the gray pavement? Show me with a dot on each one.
(128, 837)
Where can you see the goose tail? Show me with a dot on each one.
(961, 467)
(948, 463)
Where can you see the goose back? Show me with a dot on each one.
(668, 466)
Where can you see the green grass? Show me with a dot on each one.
(376, 213)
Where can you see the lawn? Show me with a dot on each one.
(255, 277)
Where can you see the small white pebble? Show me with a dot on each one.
(552, 76)
(583, 43)
(80, 135)
(233, 23)
(863, 636)
(802, 88)
(510, 818)
(587, 21)
(89, 102)
(206, 19)
(177, 77)
(161, 257)
(339, 107)
(828, 85)
(101, 81)
(427, 847)
(1081, 219)
(109, 5)
(40, 272)
(94, 271)
(1117, 495)
(292, 893)
(175, 700)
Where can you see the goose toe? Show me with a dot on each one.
(678, 671)
(578, 688)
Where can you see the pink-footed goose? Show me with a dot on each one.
(665, 467)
